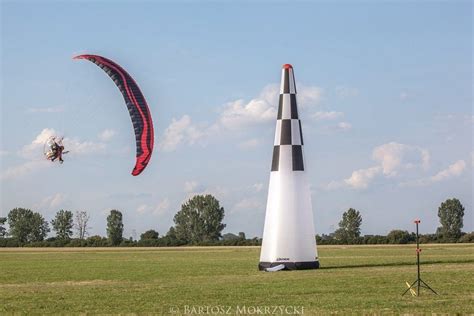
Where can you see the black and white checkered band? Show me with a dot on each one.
(288, 157)
(287, 81)
(288, 144)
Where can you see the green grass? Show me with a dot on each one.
(356, 279)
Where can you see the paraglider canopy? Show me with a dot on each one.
(137, 106)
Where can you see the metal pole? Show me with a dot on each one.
(418, 279)
(418, 257)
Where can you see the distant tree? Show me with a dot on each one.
(242, 235)
(397, 236)
(451, 213)
(171, 234)
(81, 220)
(230, 236)
(467, 238)
(19, 220)
(149, 234)
(200, 219)
(3, 230)
(374, 239)
(97, 241)
(62, 224)
(26, 226)
(349, 227)
(39, 228)
(115, 227)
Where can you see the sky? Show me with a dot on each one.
(384, 94)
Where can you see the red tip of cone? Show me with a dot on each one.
(287, 66)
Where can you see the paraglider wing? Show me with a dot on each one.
(137, 106)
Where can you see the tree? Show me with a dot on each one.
(349, 227)
(397, 236)
(115, 227)
(39, 228)
(230, 236)
(62, 224)
(3, 230)
(171, 234)
(451, 213)
(82, 218)
(200, 219)
(467, 238)
(149, 234)
(25, 225)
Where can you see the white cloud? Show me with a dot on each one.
(4, 153)
(308, 96)
(107, 135)
(392, 158)
(78, 147)
(333, 128)
(190, 186)
(142, 209)
(24, 169)
(332, 115)
(395, 156)
(270, 93)
(162, 207)
(361, 178)
(35, 148)
(157, 210)
(454, 170)
(53, 201)
(33, 152)
(219, 192)
(56, 109)
(247, 204)
(263, 108)
(238, 114)
(234, 116)
(181, 131)
(343, 126)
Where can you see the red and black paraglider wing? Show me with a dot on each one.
(137, 106)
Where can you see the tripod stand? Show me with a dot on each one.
(418, 282)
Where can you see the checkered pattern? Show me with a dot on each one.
(288, 145)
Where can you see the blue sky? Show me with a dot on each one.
(385, 95)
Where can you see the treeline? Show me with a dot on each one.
(450, 214)
(199, 223)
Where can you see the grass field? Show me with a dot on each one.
(356, 279)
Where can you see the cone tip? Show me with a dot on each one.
(287, 66)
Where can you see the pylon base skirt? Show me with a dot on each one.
(306, 265)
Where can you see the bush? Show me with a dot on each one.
(97, 241)
(399, 237)
(374, 240)
(467, 238)
(128, 243)
(9, 242)
(76, 243)
(429, 238)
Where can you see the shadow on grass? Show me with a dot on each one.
(394, 264)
